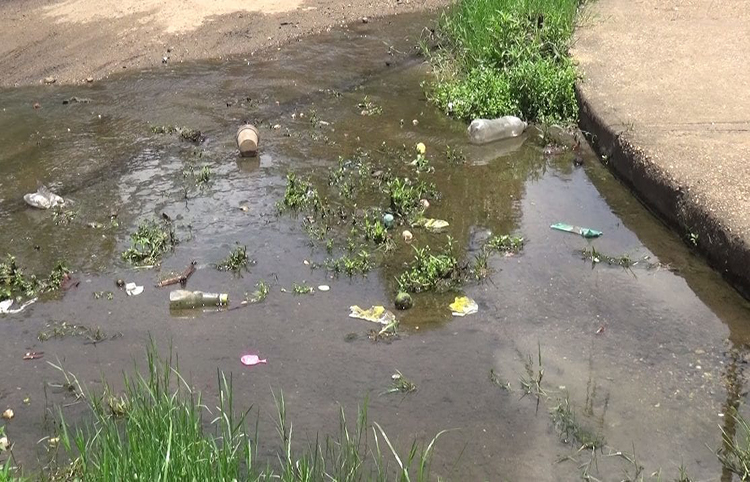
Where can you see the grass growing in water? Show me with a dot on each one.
(236, 261)
(430, 271)
(160, 429)
(501, 57)
(504, 243)
(13, 281)
(260, 293)
(405, 195)
(299, 194)
(302, 289)
(400, 384)
(150, 241)
(63, 329)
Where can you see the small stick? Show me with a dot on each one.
(181, 278)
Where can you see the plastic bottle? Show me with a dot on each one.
(183, 299)
(483, 130)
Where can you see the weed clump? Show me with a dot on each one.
(501, 57)
(260, 293)
(430, 271)
(13, 281)
(299, 194)
(405, 195)
(64, 329)
(360, 263)
(302, 289)
(571, 430)
(150, 241)
(201, 177)
(236, 261)
(504, 243)
(161, 429)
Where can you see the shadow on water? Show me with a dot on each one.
(647, 357)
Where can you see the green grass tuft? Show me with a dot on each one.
(506, 57)
(161, 429)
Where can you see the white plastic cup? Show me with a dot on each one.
(247, 140)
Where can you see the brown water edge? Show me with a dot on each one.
(638, 382)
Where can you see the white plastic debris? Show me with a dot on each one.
(5, 306)
(133, 290)
(43, 198)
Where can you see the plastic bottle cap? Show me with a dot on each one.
(224, 299)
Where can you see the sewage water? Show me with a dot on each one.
(651, 359)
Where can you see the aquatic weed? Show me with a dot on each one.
(405, 195)
(369, 108)
(504, 243)
(150, 241)
(501, 57)
(455, 156)
(591, 254)
(13, 281)
(299, 194)
(430, 271)
(160, 428)
(400, 384)
(375, 230)
(201, 178)
(64, 329)
(302, 289)
(734, 453)
(351, 265)
(504, 384)
(571, 430)
(260, 293)
(236, 261)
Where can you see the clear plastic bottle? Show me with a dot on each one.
(485, 130)
(183, 299)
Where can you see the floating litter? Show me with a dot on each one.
(376, 314)
(324, 288)
(569, 228)
(463, 306)
(133, 290)
(252, 360)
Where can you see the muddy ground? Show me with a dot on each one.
(74, 40)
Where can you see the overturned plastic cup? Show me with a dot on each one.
(247, 140)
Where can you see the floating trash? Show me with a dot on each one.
(569, 228)
(43, 198)
(5, 306)
(404, 301)
(133, 290)
(463, 306)
(434, 225)
(252, 360)
(376, 314)
(324, 288)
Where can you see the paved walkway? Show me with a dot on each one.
(666, 92)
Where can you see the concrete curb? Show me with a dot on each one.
(658, 190)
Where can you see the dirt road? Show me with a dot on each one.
(72, 40)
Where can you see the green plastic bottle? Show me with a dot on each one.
(184, 299)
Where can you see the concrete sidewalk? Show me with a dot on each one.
(666, 95)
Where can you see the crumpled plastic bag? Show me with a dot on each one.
(463, 306)
(5, 306)
(133, 290)
(376, 314)
(43, 198)
(434, 225)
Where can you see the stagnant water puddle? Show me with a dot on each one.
(651, 359)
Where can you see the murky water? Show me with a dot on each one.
(655, 380)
